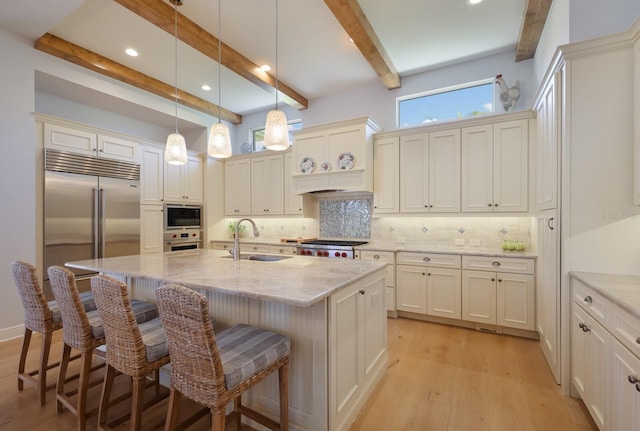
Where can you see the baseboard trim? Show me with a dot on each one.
(10, 333)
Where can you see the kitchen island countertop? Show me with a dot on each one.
(296, 280)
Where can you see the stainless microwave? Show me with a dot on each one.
(177, 216)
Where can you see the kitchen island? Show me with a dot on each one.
(332, 309)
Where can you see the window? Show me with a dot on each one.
(257, 135)
(461, 101)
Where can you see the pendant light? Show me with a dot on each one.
(276, 130)
(175, 152)
(219, 138)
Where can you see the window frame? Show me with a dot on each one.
(252, 134)
(456, 87)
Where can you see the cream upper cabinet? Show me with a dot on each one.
(237, 187)
(151, 175)
(636, 131)
(292, 202)
(430, 172)
(89, 143)
(547, 139)
(386, 179)
(184, 183)
(267, 185)
(495, 167)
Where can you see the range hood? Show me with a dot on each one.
(336, 156)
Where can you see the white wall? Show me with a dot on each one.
(594, 18)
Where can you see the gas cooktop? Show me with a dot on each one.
(334, 242)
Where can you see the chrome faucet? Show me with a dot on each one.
(236, 237)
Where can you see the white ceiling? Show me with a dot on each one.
(315, 56)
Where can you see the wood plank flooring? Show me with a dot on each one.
(439, 378)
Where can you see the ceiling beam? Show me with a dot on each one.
(354, 21)
(162, 15)
(83, 57)
(535, 16)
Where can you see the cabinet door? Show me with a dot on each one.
(151, 175)
(346, 139)
(479, 296)
(444, 171)
(173, 183)
(68, 139)
(515, 301)
(578, 350)
(547, 138)
(267, 185)
(510, 164)
(411, 289)
(237, 187)
(119, 149)
(414, 175)
(375, 324)
(276, 184)
(292, 201)
(477, 169)
(625, 389)
(444, 294)
(386, 179)
(313, 145)
(151, 228)
(193, 179)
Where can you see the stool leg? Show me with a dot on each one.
(44, 362)
(283, 385)
(83, 386)
(138, 400)
(237, 405)
(106, 394)
(217, 420)
(23, 356)
(62, 375)
(172, 413)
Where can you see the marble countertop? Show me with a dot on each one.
(622, 290)
(298, 280)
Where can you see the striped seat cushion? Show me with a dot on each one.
(246, 350)
(85, 297)
(143, 311)
(154, 340)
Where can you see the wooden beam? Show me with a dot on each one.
(533, 22)
(162, 15)
(354, 21)
(76, 54)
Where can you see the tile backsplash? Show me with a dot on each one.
(345, 218)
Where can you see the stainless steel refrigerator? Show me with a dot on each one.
(91, 210)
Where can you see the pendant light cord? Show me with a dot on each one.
(219, 60)
(276, 55)
(175, 20)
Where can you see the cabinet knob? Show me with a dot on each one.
(550, 223)
(429, 274)
(499, 280)
(375, 256)
(638, 340)
(588, 300)
(495, 263)
(426, 259)
(495, 205)
(430, 206)
(489, 204)
(638, 387)
(362, 292)
(584, 327)
(493, 279)
(633, 380)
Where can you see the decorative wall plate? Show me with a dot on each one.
(346, 161)
(307, 165)
(325, 167)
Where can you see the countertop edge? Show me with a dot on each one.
(622, 290)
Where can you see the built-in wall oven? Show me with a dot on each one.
(182, 216)
(186, 239)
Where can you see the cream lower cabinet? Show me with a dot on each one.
(504, 298)
(151, 228)
(428, 283)
(625, 389)
(390, 278)
(357, 347)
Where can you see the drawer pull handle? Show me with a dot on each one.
(633, 380)
(376, 256)
(638, 340)
(426, 259)
(362, 292)
(588, 300)
(584, 327)
(495, 263)
(638, 387)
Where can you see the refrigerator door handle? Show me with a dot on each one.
(101, 234)
(96, 223)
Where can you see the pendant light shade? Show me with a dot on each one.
(219, 141)
(276, 130)
(175, 152)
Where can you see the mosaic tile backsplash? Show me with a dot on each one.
(345, 218)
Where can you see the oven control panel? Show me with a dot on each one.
(345, 254)
(187, 235)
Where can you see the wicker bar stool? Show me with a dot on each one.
(42, 317)
(132, 349)
(83, 332)
(215, 369)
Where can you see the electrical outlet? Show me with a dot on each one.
(474, 242)
(400, 240)
(458, 241)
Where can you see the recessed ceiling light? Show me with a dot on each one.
(472, 2)
(132, 52)
(265, 67)
(205, 87)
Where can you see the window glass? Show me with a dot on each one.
(257, 135)
(462, 101)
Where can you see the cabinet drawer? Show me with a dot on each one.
(381, 256)
(260, 248)
(590, 301)
(430, 259)
(220, 245)
(625, 327)
(282, 249)
(499, 264)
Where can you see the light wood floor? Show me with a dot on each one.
(439, 378)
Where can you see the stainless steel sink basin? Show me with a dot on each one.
(261, 257)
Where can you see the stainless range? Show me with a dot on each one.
(328, 248)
